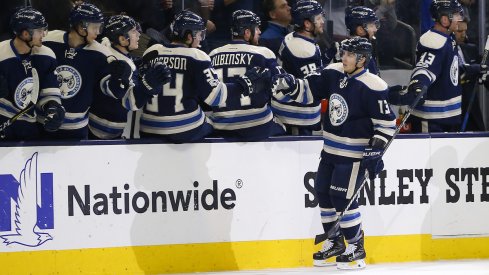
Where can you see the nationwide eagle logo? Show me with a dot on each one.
(27, 207)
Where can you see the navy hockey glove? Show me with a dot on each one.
(54, 116)
(284, 83)
(154, 78)
(397, 95)
(372, 161)
(120, 73)
(255, 80)
(415, 87)
(3, 86)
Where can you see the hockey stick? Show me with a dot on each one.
(34, 96)
(322, 237)
(474, 92)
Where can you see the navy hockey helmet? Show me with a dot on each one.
(120, 25)
(305, 10)
(27, 19)
(187, 22)
(85, 13)
(242, 20)
(360, 16)
(358, 45)
(438, 8)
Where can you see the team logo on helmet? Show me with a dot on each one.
(69, 80)
(22, 95)
(338, 110)
(454, 71)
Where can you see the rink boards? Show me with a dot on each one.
(148, 208)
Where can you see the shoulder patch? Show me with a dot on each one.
(43, 50)
(55, 36)
(336, 66)
(373, 82)
(299, 47)
(96, 46)
(5, 50)
(432, 40)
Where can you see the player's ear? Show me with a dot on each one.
(360, 31)
(122, 40)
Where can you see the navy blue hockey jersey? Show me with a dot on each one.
(357, 110)
(299, 56)
(437, 67)
(232, 60)
(82, 72)
(194, 81)
(17, 70)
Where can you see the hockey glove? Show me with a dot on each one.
(372, 161)
(120, 73)
(284, 83)
(415, 87)
(397, 95)
(3, 86)
(54, 116)
(154, 78)
(255, 80)
(483, 74)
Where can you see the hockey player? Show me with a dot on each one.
(18, 57)
(245, 122)
(299, 55)
(360, 123)
(175, 115)
(108, 117)
(437, 68)
(84, 69)
(360, 21)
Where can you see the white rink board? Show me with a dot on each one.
(266, 178)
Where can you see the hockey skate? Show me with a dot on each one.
(353, 257)
(331, 248)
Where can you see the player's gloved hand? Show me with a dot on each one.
(372, 161)
(3, 86)
(397, 94)
(120, 73)
(415, 87)
(154, 78)
(54, 115)
(284, 83)
(255, 80)
(483, 74)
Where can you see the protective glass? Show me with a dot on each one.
(40, 31)
(95, 27)
(200, 35)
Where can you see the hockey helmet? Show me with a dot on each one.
(439, 8)
(305, 10)
(187, 22)
(358, 45)
(242, 20)
(120, 25)
(360, 16)
(85, 13)
(27, 19)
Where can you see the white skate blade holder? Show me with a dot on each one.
(328, 262)
(358, 264)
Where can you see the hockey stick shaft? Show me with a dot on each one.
(33, 100)
(322, 237)
(474, 92)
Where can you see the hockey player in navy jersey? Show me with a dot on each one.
(108, 117)
(85, 67)
(360, 21)
(18, 57)
(437, 68)
(176, 115)
(300, 55)
(246, 122)
(360, 123)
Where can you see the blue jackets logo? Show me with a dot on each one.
(26, 206)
